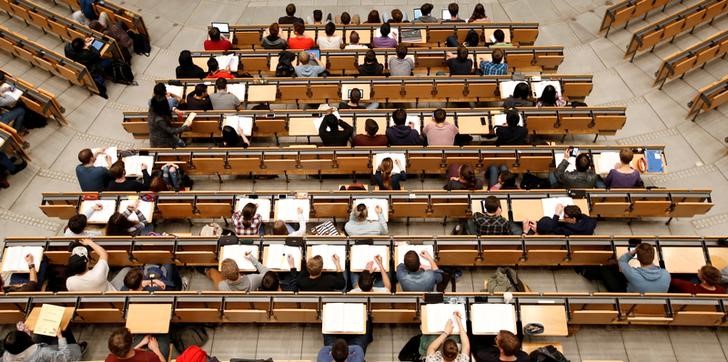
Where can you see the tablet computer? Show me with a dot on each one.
(314, 53)
(417, 12)
(223, 27)
(98, 44)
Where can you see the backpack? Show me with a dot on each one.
(141, 43)
(504, 280)
(530, 181)
(547, 354)
(285, 64)
(186, 336)
(121, 73)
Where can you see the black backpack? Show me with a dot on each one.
(285, 64)
(186, 335)
(141, 43)
(121, 73)
(547, 354)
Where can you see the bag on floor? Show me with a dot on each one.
(411, 350)
(533, 182)
(186, 336)
(504, 280)
(141, 43)
(121, 73)
(547, 354)
(34, 120)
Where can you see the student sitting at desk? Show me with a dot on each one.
(462, 177)
(401, 65)
(153, 278)
(500, 39)
(440, 132)
(496, 66)
(80, 50)
(412, 278)
(230, 279)
(334, 132)
(125, 347)
(359, 225)
(519, 98)
(507, 348)
(188, 69)
(313, 279)
(159, 120)
(14, 110)
(384, 41)
(573, 223)
(310, 66)
(247, 221)
(647, 278)
(426, 9)
(90, 177)
(342, 351)
(273, 40)
(116, 31)
(20, 347)
(222, 99)
(299, 40)
(354, 41)
(491, 222)
(371, 66)
(329, 40)
(281, 228)
(10, 166)
(478, 15)
(354, 101)
(371, 138)
(583, 177)
(397, 17)
(623, 175)
(373, 17)
(450, 352)
(77, 224)
(120, 225)
(81, 278)
(198, 100)
(290, 17)
(217, 41)
(345, 19)
(384, 177)
(234, 138)
(366, 281)
(401, 134)
(710, 282)
(120, 182)
(318, 17)
(272, 283)
(454, 9)
(25, 282)
(550, 98)
(214, 71)
(511, 134)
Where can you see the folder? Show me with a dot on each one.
(148, 318)
(49, 320)
(654, 161)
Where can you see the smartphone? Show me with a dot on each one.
(574, 151)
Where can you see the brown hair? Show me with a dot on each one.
(508, 342)
(279, 228)
(645, 253)
(386, 169)
(315, 265)
(491, 204)
(468, 175)
(298, 28)
(85, 156)
(248, 214)
(412, 261)
(497, 56)
(572, 211)
(157, 184)
(274, 29)
(361, 212)
(133, 279)
(117, 170)
(371, 127)
(450, 350)
(120, 342)
(626, 155)
(373, 17)
(230, 270)
(710, 275)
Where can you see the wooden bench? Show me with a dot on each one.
(131, 19)
(670, 27)
(625, 11)
(38, 100)
(11, 142)
(698, 55)
(709, 97)
(46, 59)
(476, 122)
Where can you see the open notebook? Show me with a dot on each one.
(327, 252)
(14, 258)
(371, 208)
(500, 120)
(549, 205)
(108, 207)
(363, 254)
(101, 160)
(403, 248)
(231, 60)
(237, 253)
(276, 256)
(287, 209)
(177, 90)
(146, 207)
(238, 123)
(559, 156)
(605, 161)
(506, 88)
(15, 93)
(263, 206)
(538, 87)
(133, 165)
(378, 157)
(488, 318)
(344, 318)
(435, 316)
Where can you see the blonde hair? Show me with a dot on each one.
(230, 270)
(315, 265)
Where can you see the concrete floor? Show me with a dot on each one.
(695, 153)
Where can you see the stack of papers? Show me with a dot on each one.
(238, 90)
(263, 206)
(239, 123)
(146, 207)
(549, 205)
(287, 209)
(327, 252)
(371, 208)
(403, 248)
(237, 253)
(363, 254)
(101, 159)
(435, 316)
(344, 318)
(133, 165)
(14, 258)
(108, 207)
(377, 160)
(606, 161)
(230, 60)
(277, 257)
(176, 90)
(490, 318)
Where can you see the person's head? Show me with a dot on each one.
(439, 115)
(548, 96)
(386, 168)
(370, 57)
(397, 16)
(492, 204)
(478, 12)
(371, 127)
(366, 281)
(212, 65)
(291, 9)
(304, 58)
(230, 270)
(315, 265)
(133, 279)
(273, 30)
(626, 155)
(472, 38)
(299, 28)
(159, 90)
(248, 213)
(426, 9)
(279, 228)
(339, 350)
(331, 122)
(583, 162)
(78, 261)
(373, 18)
(230, 137)
(318, 16)
(120, 343)
(499, 36)
(117, 169)
(467, 175)
(354, 38)
(399, 117)
(360, 212)
(508, 343)
(220, 84)
(462, 53)
(497, 56)
(330, 29)
(77, 223)
(118, 225)
(401, 51)
(522, 91)
(412, 261)
(86, 157)
(512, 118)
(214, 34)
(453, 8)
(200, 90)
(17, 341)
(710, 275)
(450, 350)
(355, 96)
(346, 19)
(78, 44)
(185, 59)
(385, 29)
(157, 184)
(270, 282)
(572, 212)
(645, 253)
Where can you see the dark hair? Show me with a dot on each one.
(361, 212)
(711, 275)
(426, 9)
(397, 16)
(508, 342)
(412, 261)
(76, 265)
(339, 350)
(118, 225)
(366, 281)
(273, 31)
(645, 253)
(462, 53)
(214, 34)
(200, 89)
(467, 174)
(157, 184)
(330, 28)
(77, 223)
(371, 127)
(221, 83)
(17, 341)
(120, 342)
(291, 9)
(231, 138)
(472, 38)
(401, 51)
(299, 28)
(354, 38)
(497, 56)
(270, 282)
(117, 169)
(478, 12)
(385, 29)
(78, 44)
(450, 349)
(512, 118)
(399, 116)
(85, 156)
(133, 279)
(370, 57)
(160, 90)
(522, 90)
(572, 211)
(583, 162)
(318, 15)
(508, 180)
(548, 96)
(439, 115)
(212, 65)
(355, 95)
(345, 18)
(491, 204)
(248, 213)
(185, 59)
(373, 18)
(499, 36)
(454, 9)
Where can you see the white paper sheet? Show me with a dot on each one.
(146, 207)
(112, 152)
(488, 318)
(237, 253)
(239, 122)
(133, 165)
(439, 314)
(287, 209)
(363, 254)
(277, 257)
(108, 207)
(327, 252)
(506, 88)
(371, 206)
(403, 248)
(345, 318)
(549, 205)
(14, 258)
(238, 90)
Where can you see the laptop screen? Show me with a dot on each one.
(314, 53)
(97, 44)
(417, 13)
(445, 14)
(223, 27)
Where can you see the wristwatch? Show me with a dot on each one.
(31, 266)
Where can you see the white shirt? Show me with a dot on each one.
(93, 280)
(329, 42)
(356, 46)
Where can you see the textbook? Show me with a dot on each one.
(287, 209)
(108, 207)
(605, 161)
(101, 160)
(49, 320)
(488, 318)
(538, 87)
(327, 252)
(276, 256)
(435, 316)
(263, 206)
(506, 88)
(133, 165)
(238, 90)
(344, 318)
(238, 123)
(378, 157)
(499, 120)
(403, 248)
(237, 253)
(371, 208)
(654, 161)
(146, 207)
(363, 254)
(14, 258)
(549, 205)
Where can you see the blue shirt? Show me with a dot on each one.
(356, 354)
(92, 178)
(419, 281)
(488, 68)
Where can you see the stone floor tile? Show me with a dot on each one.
(696, 344)
(648, 344)
(599, 343)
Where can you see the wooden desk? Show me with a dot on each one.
(477, 206)
(298, 126)
(262, 93)
(683, 259)
(718, 257)
(533, 210)
(361, 124)
(553, 318)
(33, 317)
(148, 318)
(473, 125)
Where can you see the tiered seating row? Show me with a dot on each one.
(11, 142)
(697, 55)
(524, 59)
(517, 204)
(672, 26)
(625, 11)
(131, 19)
(249, 36)
(709, 97)
(283, 123)
(38, 100)
(39, 56)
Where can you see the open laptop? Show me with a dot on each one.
(417, 12)
(223, 27)
(446, 14)
(97, 44)
(314, 53)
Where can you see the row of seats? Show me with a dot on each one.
(696, 56)
(433, 35)
(63, 27)
(390, 89)
(263, 62)
(678, 254)
(11, 142)
(625, 11)
(131, 19)
(709, 97)
(605, 121)
(46, 59)
(518, 205)
(671, 26)
(38, 100)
